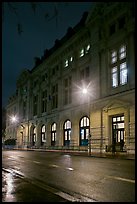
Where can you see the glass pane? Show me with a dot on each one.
(123, 73)
(87, 48)
(120, 125)
(122, 117)
(55, 136)
(43, 128)
(87, 133)
(122, 135)
(81, 123)
(34, 130)
(71, 59)
(82, 52)
(52, 136)
(82, 134)
(68, 124)
(118, 136)
(65, 135)
(122, 52)
(114, 119)
(113, 57)
(114, 79)
(118, 118)
(66, 63)
(85, 121)
(69, 134)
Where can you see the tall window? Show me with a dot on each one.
(44, 101)
(67, 133)
(24, 108)
(84, 131)
(35, 105)
(67, 91)
(119, 71)
(55, 96)
(43, 134)
(34, 137)
(53, 134)
(84, 73)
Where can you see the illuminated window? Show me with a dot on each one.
(71, 59)
(113, 57)
(66, 63)
(53, 134)
(114, 77)
(87, 48)
(43, 134)
(81, 52)
(123, 73)
(84, 131)
(34, 138)
(122, 52)
(67, 133)
(119, 72)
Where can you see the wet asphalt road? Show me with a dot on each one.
(16, 189)
(30, 176)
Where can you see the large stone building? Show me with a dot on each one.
(84, 84)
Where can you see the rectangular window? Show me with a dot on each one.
(66, 63)
(55, 96)
(35, 103)
(81, 52)
(122, 52)
(123, 73)
(119, 72)
(114, 77)
(113, 57)
(87, 48)
(67, 91)
(44, 101)
(24, 109)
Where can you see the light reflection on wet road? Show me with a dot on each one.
(97, 179)
(8, 187)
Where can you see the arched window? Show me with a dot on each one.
(34, 138)
(43, 134)
(84, 131)
(53, 134)
(67, 133)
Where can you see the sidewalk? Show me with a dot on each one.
(116, 155)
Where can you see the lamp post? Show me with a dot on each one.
(85, 92)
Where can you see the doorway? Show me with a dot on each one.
(118, 131)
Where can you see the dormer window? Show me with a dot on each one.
(66, 63)
(87, 48)
(82, 52)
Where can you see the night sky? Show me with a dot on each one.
(27, 30)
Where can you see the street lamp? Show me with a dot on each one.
(14, 119)
(85, 92)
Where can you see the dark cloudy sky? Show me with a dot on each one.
(40, 30)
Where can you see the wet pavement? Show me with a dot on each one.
(16, 189)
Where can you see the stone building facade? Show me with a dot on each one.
(84, 85)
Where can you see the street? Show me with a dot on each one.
(62, 177)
